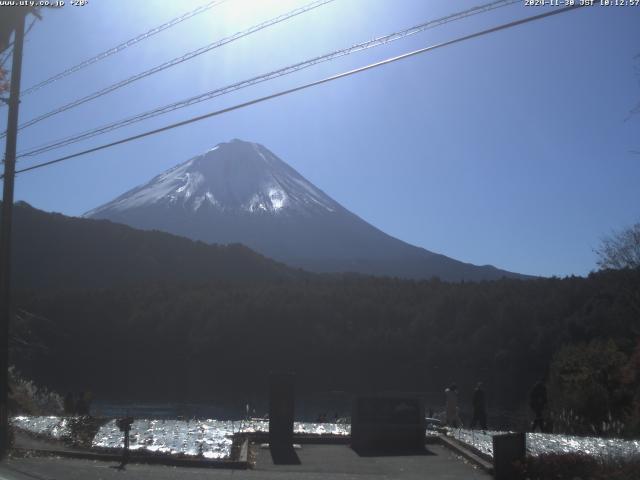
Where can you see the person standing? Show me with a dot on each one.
(538, 403)
(451, 395)
(81, 406)
(479, 408)
(88, 399)
(124, 424)
(69, 404)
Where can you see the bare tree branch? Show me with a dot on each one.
(620, 249)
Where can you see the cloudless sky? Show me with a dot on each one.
(514, 149)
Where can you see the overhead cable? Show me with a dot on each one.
(55, 144)
(120, 47)
(174, 61)
(305, 86)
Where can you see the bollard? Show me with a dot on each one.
(508, 449)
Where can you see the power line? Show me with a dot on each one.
(6, 57)
(305, 86)
(118, 48)
(55, 144)
(10, 52)
(33, 21)
(175, 61)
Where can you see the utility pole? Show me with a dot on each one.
(5, 230)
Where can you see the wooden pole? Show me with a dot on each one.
(5, 231)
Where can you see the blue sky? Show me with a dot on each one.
(511, 149)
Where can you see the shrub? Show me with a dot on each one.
(572, 466)
(586, 386)
(27, 398)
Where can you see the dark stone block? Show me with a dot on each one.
(388, 424)
(508, 449)
(281, 415)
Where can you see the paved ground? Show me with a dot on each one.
(340, 461)
(22, 440)
(317, 462)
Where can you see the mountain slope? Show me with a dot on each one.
(241, 192)
(53, 250)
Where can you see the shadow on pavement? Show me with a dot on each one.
(284, 455)
(392, 452)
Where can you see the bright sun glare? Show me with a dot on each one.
(243, 11)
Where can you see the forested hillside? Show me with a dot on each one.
(135, 315)
(174, 342)
(53, 250)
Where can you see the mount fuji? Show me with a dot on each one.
(240, 192)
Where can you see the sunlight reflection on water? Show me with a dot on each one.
(539, 443)
(207, 438)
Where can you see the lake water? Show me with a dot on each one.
(540, 443)
(212, 438)
(208, 438)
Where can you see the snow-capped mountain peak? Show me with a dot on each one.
(232, 176)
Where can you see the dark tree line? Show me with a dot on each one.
(198, 342)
